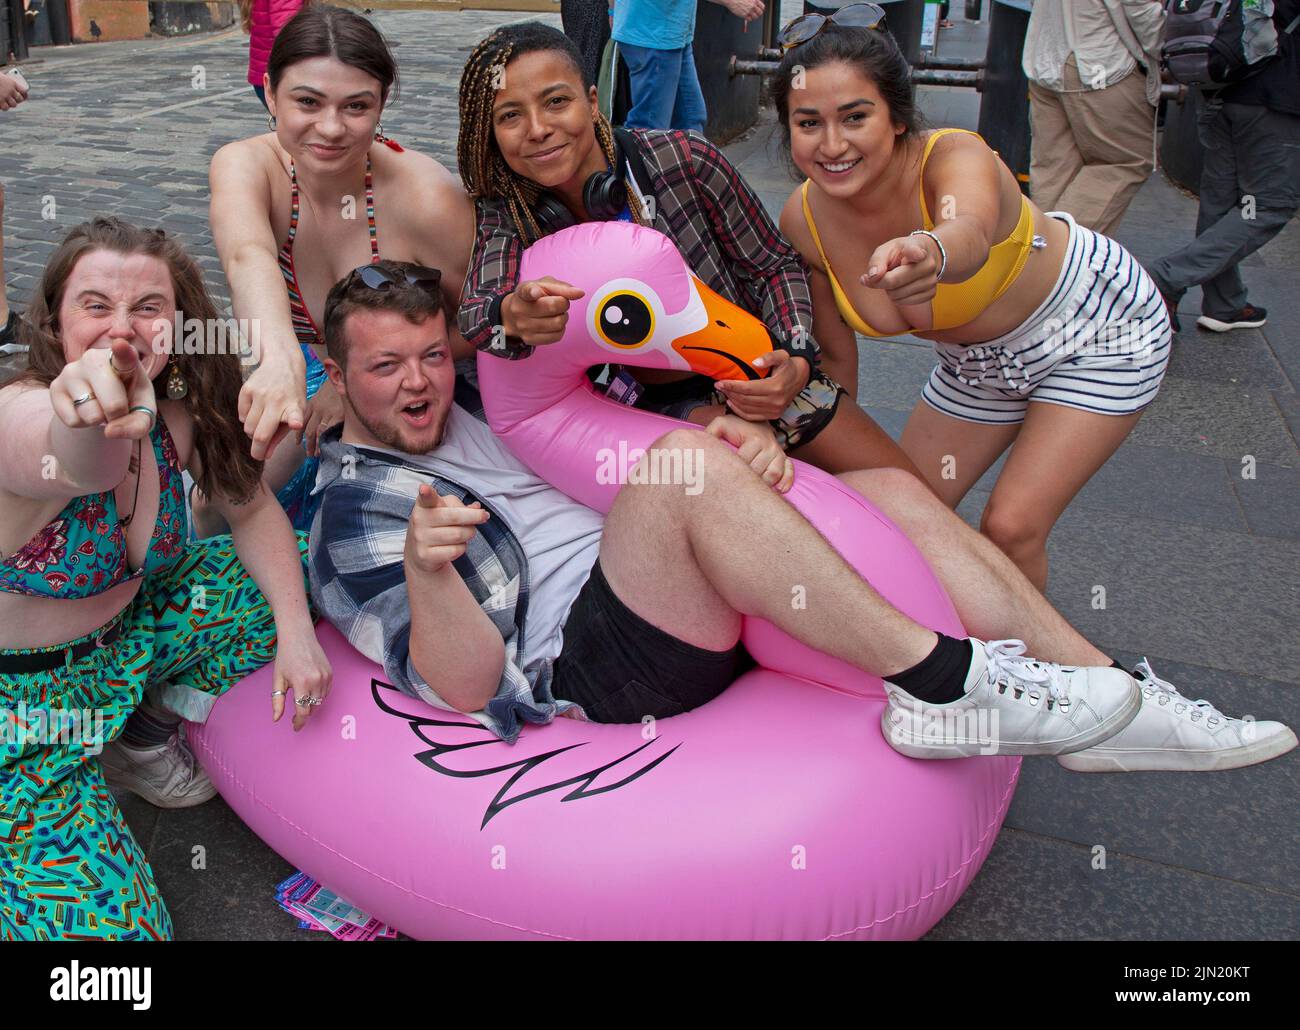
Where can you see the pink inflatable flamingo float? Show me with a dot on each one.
(775, 811)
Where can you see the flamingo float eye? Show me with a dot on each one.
(625, 319)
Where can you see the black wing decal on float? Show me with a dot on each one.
(465, 735)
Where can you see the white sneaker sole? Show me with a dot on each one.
(1215, 326)
(1100, 760)
(905, 742)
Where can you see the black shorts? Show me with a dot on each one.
(620, 668)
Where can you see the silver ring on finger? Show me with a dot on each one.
(83, 399)
(314, 701)
(153, 415)
(302, 702)
(279, 693)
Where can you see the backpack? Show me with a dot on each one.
(1214, 43)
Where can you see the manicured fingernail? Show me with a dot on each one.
(871, 272)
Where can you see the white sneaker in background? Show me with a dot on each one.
(1175, 734)
(165, 776)
(1014, 705)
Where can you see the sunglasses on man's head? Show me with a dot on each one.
(377, 278)
(854, 16)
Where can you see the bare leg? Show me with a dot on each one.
(1057, 452)
(951, 453)
(711, 581)
(853, 440)
(993, 598)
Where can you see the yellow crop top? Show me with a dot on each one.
(954, 304)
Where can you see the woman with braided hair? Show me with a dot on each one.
(535, 154)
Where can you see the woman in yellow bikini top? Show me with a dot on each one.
(1051, 339)
(954, 304)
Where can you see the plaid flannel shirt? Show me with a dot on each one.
(722, 231)
(357, 571)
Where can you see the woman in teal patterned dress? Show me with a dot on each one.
(101, 597)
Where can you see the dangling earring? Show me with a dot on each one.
(177, 388)
(381, 138)
(270, 122)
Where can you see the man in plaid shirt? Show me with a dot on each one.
(702, 204)
(485, 590)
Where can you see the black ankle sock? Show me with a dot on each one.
(1115, 665)
(940, 676)
(149, 727)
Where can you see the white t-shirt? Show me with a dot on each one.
(560, 537)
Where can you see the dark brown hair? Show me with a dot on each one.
(214, 380)
(873, 53)
(351, 294)
(482, 168)
(320, 30)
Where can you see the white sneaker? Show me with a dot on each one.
(1177, 734)
(1014, 706)
(166, 776)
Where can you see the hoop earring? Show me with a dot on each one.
(379, 130)
(177, 388)
(270, 122)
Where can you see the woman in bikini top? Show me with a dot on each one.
(927, 233)
(301, 206)
(104, 509)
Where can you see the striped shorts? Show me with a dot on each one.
(1099, 342)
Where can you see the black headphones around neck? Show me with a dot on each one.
(604, 195)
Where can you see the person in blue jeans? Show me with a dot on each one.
(654, 37)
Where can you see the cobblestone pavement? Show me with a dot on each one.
(1199, 562)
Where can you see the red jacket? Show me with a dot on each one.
(269, 17)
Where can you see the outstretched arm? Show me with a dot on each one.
(453, 642)
(269, 550)
(274, 399)
(75, 438)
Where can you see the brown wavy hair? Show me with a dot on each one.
(322, 30)
(214, 380)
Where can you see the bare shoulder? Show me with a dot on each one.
(960, 151)
(794, 227)
(422, 173)
(439, 210)
(11, 394)
(242, 156)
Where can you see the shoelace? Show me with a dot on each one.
(174, 743)
(1146, 676)
(1006, 662)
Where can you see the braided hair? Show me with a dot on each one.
(483, 170)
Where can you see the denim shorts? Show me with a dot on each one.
(620, 668)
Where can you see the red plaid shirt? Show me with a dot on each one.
(701, 204)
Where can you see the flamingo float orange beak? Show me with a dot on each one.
(725, 348)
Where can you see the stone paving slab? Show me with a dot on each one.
(1040, 888)
(1222, 600)
(1149, 815)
